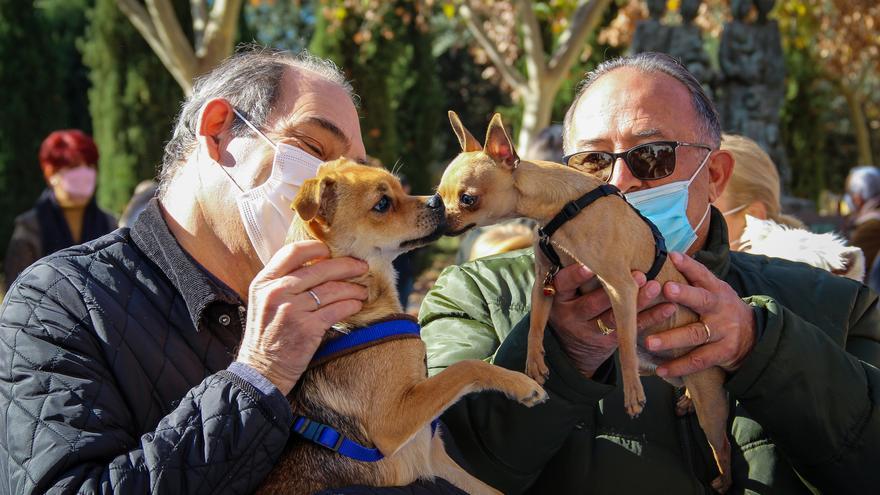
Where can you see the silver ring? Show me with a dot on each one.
(708, 332)
(315, 297)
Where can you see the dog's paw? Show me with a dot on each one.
(722, 483)
(634, 399)
(536, 367)
(684, 405)
(533, 394)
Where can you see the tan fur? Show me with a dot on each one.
(379, 396)
(608, 236)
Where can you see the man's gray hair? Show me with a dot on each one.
(864, 180)
(250, 80)
(651, 62)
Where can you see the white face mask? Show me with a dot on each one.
(734, 210)
(265, 210)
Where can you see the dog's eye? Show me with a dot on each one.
(382, 205)
(467, 199)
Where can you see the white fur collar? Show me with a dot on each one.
(827, 251)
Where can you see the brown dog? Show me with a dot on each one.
(485, 185)
(379, 395)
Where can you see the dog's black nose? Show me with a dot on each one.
(434, 202)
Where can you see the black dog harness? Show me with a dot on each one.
(569, 211)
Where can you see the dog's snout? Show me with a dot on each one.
(434, 202)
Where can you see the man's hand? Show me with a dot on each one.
(575, 317)
(731, 322)
(285, 324)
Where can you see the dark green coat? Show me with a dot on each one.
(804, 416)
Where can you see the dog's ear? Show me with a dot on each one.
(467, 141)
(498, 145)
(316, 200)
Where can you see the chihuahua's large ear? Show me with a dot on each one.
(316, 200)
(467, 141)
(498, 145)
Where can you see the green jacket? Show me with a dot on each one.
(804, 416)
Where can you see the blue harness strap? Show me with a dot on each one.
(327, 436)
(364, 337)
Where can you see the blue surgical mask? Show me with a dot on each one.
(666, 206)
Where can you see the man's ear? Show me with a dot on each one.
(316, 200)
(467, 141)
(720, 171)
(498, 145)
(214, 125)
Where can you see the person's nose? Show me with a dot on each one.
(622, 177)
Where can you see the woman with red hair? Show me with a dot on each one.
(66, 212)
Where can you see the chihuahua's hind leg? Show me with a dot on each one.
(710, 400)
(428, 399)
(623, 294)
(444, 467)
(536, 365)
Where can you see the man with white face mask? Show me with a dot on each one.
(800, 346)
(156, 359)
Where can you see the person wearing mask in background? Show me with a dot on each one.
(862, 196)
(755, 223)
(66, 213)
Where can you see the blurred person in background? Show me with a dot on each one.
(66, 212)
(143, 193)
(862, 196)
(755, 223)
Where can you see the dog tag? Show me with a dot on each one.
(549, 288)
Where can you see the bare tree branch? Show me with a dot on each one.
(533, 44)
(508, 72)
(571, 41)
(171, 35)
(219, 33)
(140, 19)
(199, 12)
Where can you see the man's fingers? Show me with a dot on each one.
(292, 256)
(696, 273)
(690, 335)
(571, 277)
(698, 299)
(647, 294)
(323, 271)
(329, 293)
(654, 316)
(704, 356)
(332, 314)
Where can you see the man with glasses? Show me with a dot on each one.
(800, 346)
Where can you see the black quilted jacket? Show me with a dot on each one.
(113, 376)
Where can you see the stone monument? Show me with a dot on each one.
(686, 45)
(651, 34)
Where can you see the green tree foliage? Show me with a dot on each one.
(30, 104)
(133, 100)
(387, 56)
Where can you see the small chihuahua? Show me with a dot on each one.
(378, 395)
(487, 184)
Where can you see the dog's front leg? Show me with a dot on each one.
(623, 292)
(536, 365)
(426, 400)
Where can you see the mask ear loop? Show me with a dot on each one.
(252, 126)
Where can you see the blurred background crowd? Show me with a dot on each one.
(91, 87)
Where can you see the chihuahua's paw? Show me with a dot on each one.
(722, 483)
(533, 394)
(684, 405)
(536, 367)
(634, 399)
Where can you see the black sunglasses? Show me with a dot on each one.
(649, 161)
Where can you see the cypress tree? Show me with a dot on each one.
(30, 101)
(133, 100)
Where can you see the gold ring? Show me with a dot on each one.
(603, 328)
(708, 332)
(315, 297)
